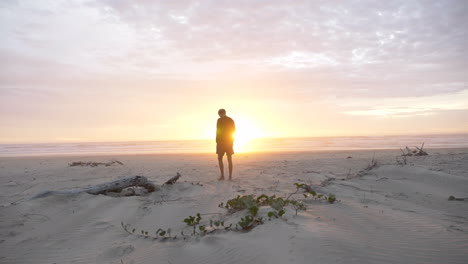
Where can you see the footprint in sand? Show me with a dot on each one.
(118, 251)
(102, 225)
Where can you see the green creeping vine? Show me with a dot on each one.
(246, 202)
(278, 204)
(308, 191)
(248, 222)
(194, 222)
(159, 234)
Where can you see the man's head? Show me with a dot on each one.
(221, 112)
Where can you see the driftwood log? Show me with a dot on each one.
(113, 186)
(453, 198)
(94, 164)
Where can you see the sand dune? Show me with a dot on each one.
(394, 214)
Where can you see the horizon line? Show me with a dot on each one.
(203, 139)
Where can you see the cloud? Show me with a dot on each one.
(381, 47)
(302, 60)
(407, 106)
(369, 40)
(392, 112)
(361, 58)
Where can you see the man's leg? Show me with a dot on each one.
(229, 158)
(221, 166)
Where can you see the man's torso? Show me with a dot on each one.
(225, 129)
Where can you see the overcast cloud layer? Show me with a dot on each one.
(361, 58)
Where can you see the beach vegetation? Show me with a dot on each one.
(160, 233)
(251, 204)
(248, 222)
(240, 203)
(297, 205)
(194, 221)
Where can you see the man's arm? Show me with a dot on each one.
(217, 131)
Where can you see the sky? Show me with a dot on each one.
(124, 70)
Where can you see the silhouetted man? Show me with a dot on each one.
(225, 129)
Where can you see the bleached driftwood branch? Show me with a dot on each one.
(416, 152)
(173, 179)
(113, 186)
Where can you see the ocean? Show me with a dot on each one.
(255, 145)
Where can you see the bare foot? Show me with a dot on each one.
(221, 179)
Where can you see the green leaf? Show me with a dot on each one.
(299, 185)
(253, 210)
(262, 199)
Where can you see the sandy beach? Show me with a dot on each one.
(114, 116)
(390, 214)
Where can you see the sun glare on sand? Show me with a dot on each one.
(246, 131)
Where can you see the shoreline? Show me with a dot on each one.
(274, 152)
(252, 146)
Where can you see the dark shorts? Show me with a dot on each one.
(225, 147)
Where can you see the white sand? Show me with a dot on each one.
(395, 214)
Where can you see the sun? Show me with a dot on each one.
(246, 131)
